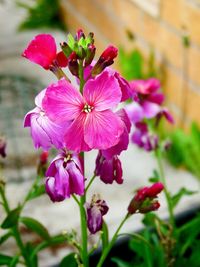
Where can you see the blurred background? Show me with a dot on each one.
(156, 38)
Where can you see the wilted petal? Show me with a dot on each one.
(94, 219)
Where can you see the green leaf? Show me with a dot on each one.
(12, 219)
(53, 241)
(4, 237)
(182, 192)
(37, 192)
(121, 263)
(69, 261)
(5, 260)
(104, 236)
(36, 227)
(14, 261)
(71, 41)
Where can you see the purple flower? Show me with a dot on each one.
(44, 132)
(109, 170)
(95, 212)
(2, 147)
(64, 177)
(143, 138)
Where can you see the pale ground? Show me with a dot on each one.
(137, 165)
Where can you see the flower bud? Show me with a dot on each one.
(73, 64)
(90, 54)
(154, 190)
(79, 35)
(106, 59)
(145, 199)
(66, 49)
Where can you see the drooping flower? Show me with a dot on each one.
(145, 199)
(2, 146)
(44, 132)
(64, 177)
(143, 138)
(42, 51)
(93, 123)
(95, 212)
(109, 170)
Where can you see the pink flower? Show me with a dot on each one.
(42, 51)
(64, 177)
(44, 132)
(145, 87)
(109, 170)
(95, 212)
(124, 138)
(93, 123)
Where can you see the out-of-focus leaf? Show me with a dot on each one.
(37, 192)
(69, 261)
(11, 219)
(182, 192)
(121, 263)
(5, 260)
(104, 236)
(14, 261)
(36, 227)
(4, 237)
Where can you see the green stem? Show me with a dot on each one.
(81, 75)
(110, 245)
(90, 182)
(163, 180)
(84, 232)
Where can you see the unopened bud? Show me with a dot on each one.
(106, 59)
(154, 190)
(73, 64)
(66, 49)
(90, 54)
(152, 207)
(79, 34)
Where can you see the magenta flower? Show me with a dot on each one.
(109, 170)
(124, 138)
(42, 51)
(64, 177)
(95, 212)
(145, 87)
(143, 138)
(93, 123)
(44, 132)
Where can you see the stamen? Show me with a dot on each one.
(87, 108)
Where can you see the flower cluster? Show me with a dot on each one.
(76, 118)
(147, 106)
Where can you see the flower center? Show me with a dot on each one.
(67, 158)
(87, 108)
(42, 114)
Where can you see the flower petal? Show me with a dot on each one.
(103, 92)
(74, 136)
(62, 102)
(76, 179)
(102, 129)
(41, 50)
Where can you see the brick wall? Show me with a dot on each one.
(160, 24)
